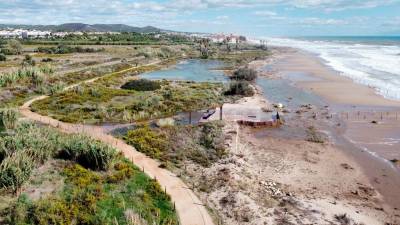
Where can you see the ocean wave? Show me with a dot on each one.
(373, 65)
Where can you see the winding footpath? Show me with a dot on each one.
(190, 209)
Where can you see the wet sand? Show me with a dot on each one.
(354, 107)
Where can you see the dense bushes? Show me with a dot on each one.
(62, 49)
(246, 74)
(239, 88)
(142, 85)
(148, 142)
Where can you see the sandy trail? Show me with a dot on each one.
(190, 209)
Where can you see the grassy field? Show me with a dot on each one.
(52, 178)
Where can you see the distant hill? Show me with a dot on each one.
(73, 27)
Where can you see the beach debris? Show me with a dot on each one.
(278, 105)
(395, 161)
(346, 166)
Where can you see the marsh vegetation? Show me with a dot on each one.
(97, 103)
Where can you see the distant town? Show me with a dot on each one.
(40, 34)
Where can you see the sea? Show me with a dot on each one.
(371, 61)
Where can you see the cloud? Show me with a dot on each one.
(265, 13)
(319, 21)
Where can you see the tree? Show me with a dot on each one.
(14, 46)
(2, 57)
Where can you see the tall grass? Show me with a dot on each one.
(32, 73)
(87, 152)
(8, 118)
(30, 146)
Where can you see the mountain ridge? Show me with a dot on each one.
(83, 27)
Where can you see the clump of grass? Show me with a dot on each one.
(87, 152)
(8, 118)
(15, 170)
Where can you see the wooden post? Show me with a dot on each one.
(190, 117)
(220, 112)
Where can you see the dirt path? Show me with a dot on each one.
(191, 210)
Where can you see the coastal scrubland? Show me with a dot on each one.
(51, 178)
(97, 103)
(67, 178)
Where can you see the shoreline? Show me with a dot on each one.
(342, 94)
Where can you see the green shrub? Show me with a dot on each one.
(142, 85)
(2, 57)
(147, 141)
(14, 47)
(244, 74)
(63, 49)
(47, 60)
(239, 88)
(28, 61)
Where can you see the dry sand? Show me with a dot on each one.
(331, 86)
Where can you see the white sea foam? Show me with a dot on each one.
(374, 65)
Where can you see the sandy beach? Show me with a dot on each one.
(281, 175)
(365, 126)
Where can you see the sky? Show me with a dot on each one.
(256, 18)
